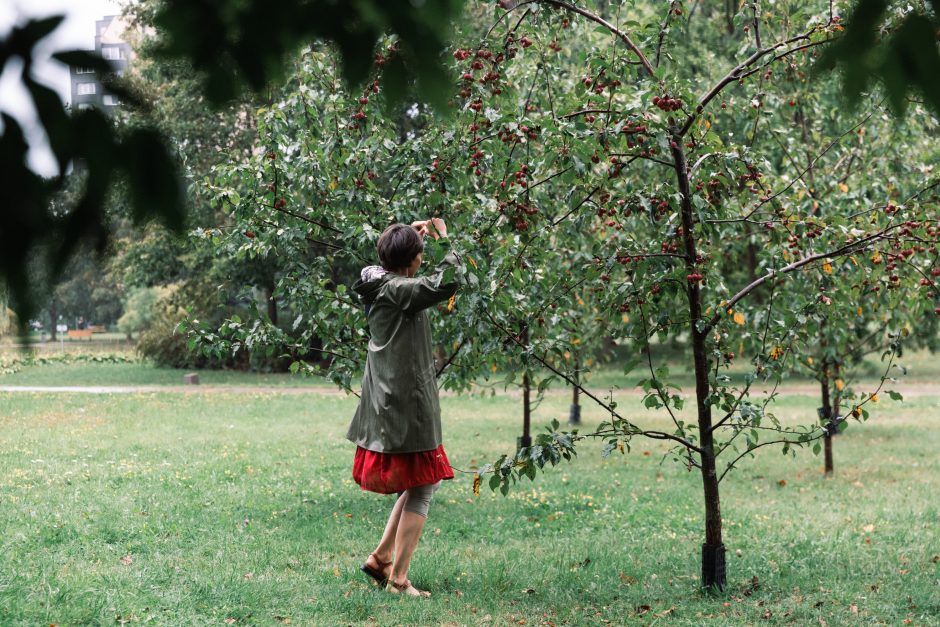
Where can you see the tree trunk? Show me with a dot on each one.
(526, 439)
(833, 421)
(713, 550)
(54, 317)
(574, 416)
(730, 6)
(272, 304)
(827, 418)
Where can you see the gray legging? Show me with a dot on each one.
(418, 498)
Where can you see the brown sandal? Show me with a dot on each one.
(403, 588)
(378, 575)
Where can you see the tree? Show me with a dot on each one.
(31, 228)
(246, 44)
(565, 130)
(229, 45)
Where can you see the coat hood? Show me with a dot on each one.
(369, 283)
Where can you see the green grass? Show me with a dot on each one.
(241, 506)
(142, 373)
(922, 368)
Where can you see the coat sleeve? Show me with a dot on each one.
(414, 295)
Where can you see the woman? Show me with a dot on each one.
(397, 426)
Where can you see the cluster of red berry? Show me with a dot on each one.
(519, 213)
(667, 104)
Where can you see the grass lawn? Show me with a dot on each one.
(922, 368)
(143, 373)
(222, 508)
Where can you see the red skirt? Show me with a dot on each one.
(390, 473)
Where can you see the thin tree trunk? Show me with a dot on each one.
(833, 420)
(827, 417)
(713, 551)
(574, 416)
(272, 304)
(54, 316)
(729, 16)
(526, 439)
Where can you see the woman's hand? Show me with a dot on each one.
(436, 227)
(421, 226)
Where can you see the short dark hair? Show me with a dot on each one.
(398, 246)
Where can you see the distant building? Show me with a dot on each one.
(87, 91)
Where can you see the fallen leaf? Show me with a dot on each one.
(935, 559)
(868, 528)
(284, 620)
(627, 579)
(528, 590)
(336, 572)
(231, 621)
(782, 483)
(642, 609)
(248, 576)
(127, 560)
(853, 608)
(767, 614)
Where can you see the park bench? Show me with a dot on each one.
(79, 333)
(98, 328)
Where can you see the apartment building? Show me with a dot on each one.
(87, 90)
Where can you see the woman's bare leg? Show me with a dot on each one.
(385, 551)
(413, 517)
(409, 532)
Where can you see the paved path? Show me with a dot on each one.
(162, 389)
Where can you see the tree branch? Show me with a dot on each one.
(848, 248)
(656, 435)
(736, 74)
(613, 29)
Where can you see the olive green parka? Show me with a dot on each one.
(399, 410)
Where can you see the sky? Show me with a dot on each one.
(76, 32)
